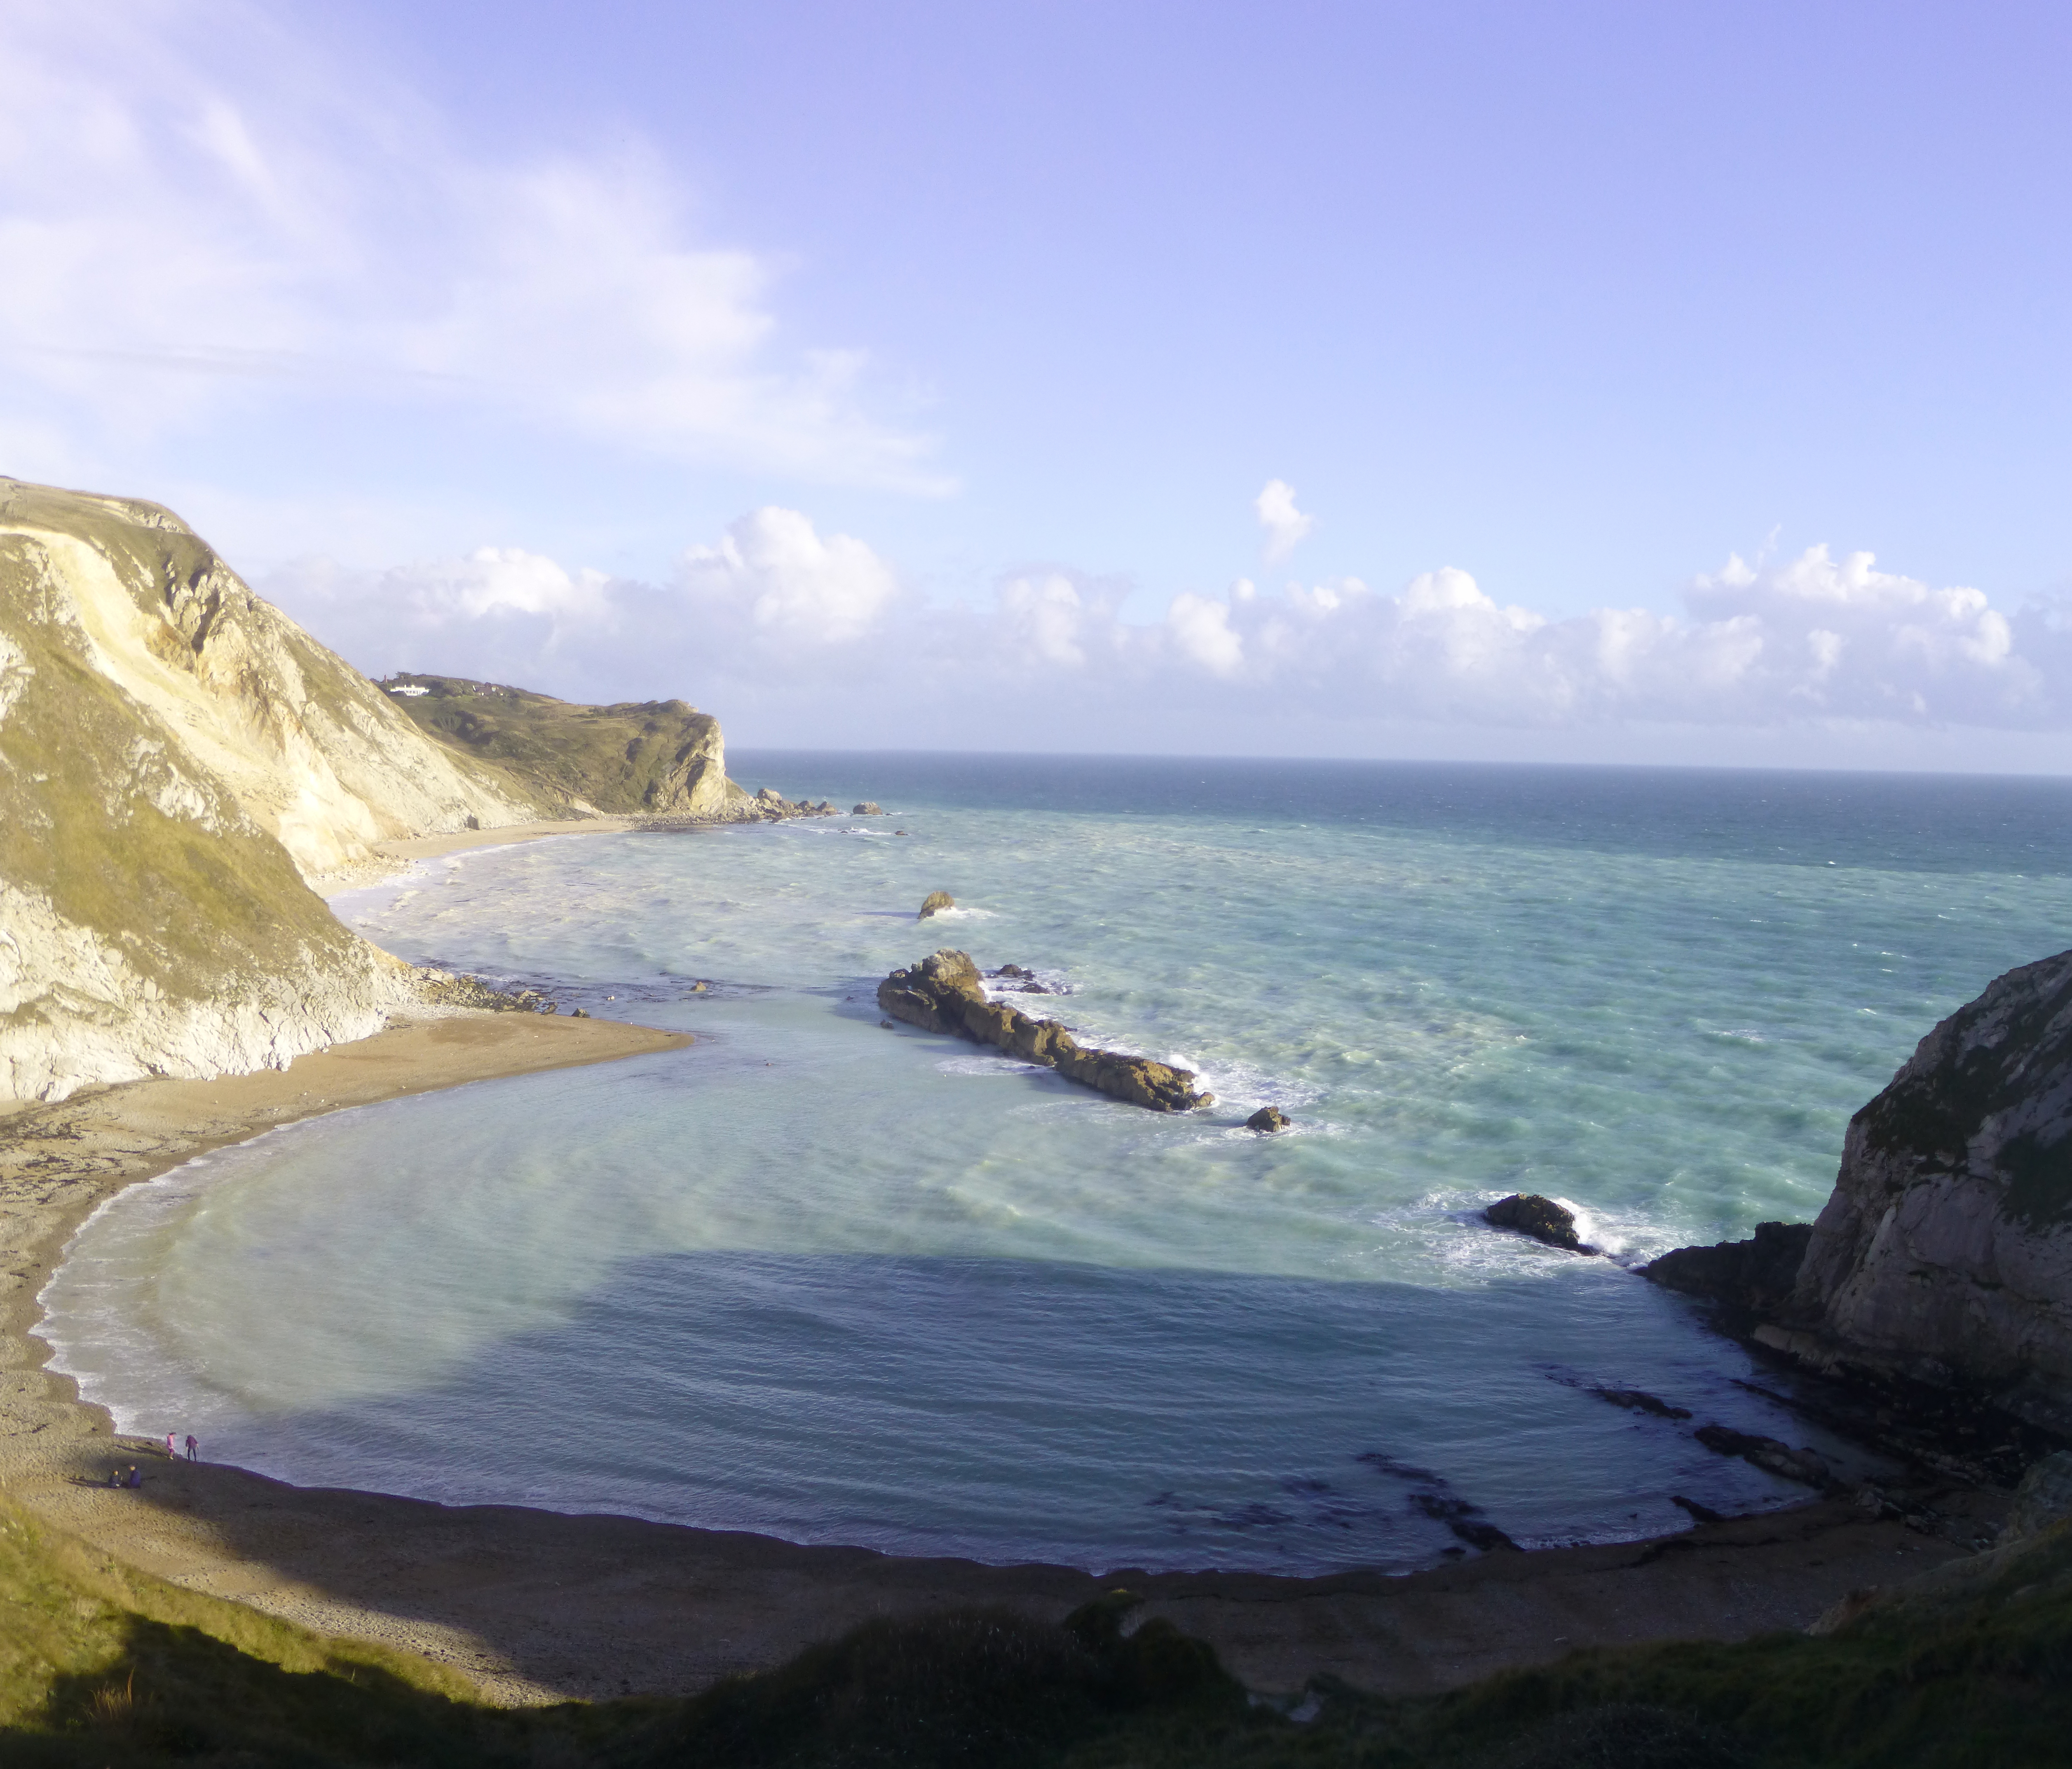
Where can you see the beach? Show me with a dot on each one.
(536, 1605)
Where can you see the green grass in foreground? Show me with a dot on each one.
(99, 1665)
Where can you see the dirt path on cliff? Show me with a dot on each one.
(536, 1605)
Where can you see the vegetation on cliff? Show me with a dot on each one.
(654, 758)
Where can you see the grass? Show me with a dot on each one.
(99, 1665)
(653, 756)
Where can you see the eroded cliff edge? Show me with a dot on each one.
(180, 764)
(1944, 1256)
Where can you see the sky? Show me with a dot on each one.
(1578, 381)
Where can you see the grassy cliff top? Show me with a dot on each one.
(630, 758)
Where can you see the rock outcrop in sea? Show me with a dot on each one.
(944, 992)
(934, 903)
(1527, 1213)
(1944, 1256)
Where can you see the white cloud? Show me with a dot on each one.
(1285, 524)
(811, 639)
(204, 213)
(1200, 629)
(773, 567)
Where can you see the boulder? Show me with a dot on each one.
(1268, 1118)
(867, 809)
(944, 993)
(935, 902)
(1542, 1218)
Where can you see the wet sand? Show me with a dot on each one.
(535, 1606)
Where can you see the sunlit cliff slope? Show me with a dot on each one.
(178, 760)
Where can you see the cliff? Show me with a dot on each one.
(1944, 1253)
(178, 760)
(1943, 1257)
(652, 757)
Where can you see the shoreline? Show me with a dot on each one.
(537, 1605)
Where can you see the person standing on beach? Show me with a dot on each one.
(171, 1452)
(194, 1449)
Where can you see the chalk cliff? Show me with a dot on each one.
(1944, 1256)
(178, 760)
(1944, 1253)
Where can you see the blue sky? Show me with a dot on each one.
(748, 353)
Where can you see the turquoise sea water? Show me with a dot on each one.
(842, 1283)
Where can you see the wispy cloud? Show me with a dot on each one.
(202, 209)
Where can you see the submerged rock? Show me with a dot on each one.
(1805, 1467)
(1542, 1218)
(934, 903)
(944, 993)
(1268, 1118)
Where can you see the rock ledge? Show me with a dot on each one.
(944, 994)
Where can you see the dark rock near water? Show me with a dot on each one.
(1639, 1400)
(1938, 1280)
(1945, 1254)
(1542, 1218)
(1698, 1514)
(1756, 1275)
(944, 992)
(1268, 1118)
(1803, 1465)
(935, 903)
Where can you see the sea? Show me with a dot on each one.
(840, 1282)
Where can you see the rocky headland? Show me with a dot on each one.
(944, 993)
(183, 767)
(1938, 1280)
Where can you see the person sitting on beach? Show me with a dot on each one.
(136, 1476)
(115, 1477)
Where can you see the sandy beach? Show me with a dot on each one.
(536, 1605)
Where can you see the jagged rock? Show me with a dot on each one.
(1542, 1218)
(1945, 1254)
(944, 993)
(867, 809)
(935, 902)
(1268, 1118)
(1756, 1275)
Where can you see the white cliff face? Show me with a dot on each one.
(1946, 1252)
(312, 750)
(177, 758)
